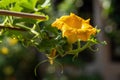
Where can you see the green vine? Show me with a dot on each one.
(24, 18)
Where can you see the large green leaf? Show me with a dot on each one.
(28, 5)
(6, 3)
(17, 7)
(47, 44)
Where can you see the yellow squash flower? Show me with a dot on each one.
(74, 28)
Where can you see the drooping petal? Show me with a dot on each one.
(58, 24)
(70, 35)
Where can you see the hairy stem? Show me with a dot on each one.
(21, 14)
(11, 28)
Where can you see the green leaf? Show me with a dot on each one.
(51, 30)
(47, 44)
(16, 8)
(26, 20)
(46, 4)
(6, 3)
(28, 5)
(12, 3)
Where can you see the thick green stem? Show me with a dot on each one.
(76, 51)
(22, 26)
(11, 28)
(70, 46)
(79, 44)
(6, 19)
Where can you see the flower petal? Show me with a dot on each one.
(74, 28)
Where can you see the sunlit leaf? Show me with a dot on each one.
(28, 5)
(16, 8)
(7, 3)
(46, 3)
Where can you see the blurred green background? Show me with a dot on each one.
(19, 63)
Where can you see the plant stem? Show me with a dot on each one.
(79, 49)
(21, 14)
(11, 28)
(79, 45)
(6, 19)
(23, 26)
